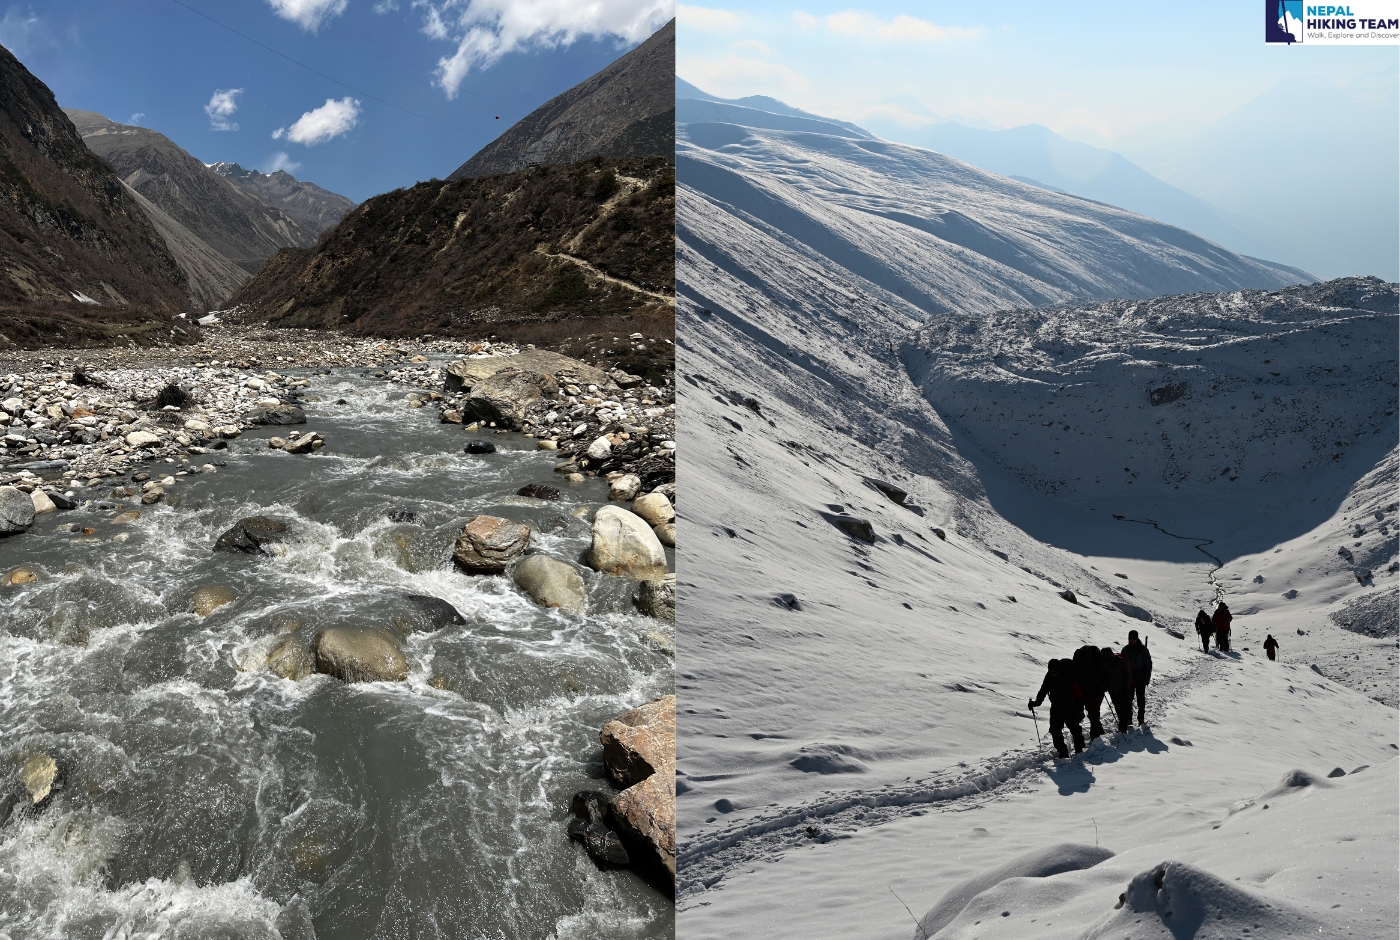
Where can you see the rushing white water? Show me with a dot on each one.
(204, 796)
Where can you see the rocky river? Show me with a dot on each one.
(202, 767)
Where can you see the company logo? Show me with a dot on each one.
(1362, 22)
(1283, 21)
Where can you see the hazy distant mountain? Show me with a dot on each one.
(316, 208)
(625, 110)
(235, 223)
(686, 91)
(1310, 160)
(67, 226)
(1038, 155)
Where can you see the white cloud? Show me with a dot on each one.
(328, 121)
(385, 6)
(859, 24)
(734, 76)
(280, 161)
(308, 14)
(486, 30)
(221, 107)
(136, 118)
(705, 19)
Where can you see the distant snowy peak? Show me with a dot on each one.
(940, 235)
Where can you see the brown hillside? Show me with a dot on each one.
(66, 223)
(587, 241)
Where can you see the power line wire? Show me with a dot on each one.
(388, 104)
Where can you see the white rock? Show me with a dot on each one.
(600, 449)
(42, 503)
(142, 439)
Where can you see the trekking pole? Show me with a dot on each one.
(1037, 726)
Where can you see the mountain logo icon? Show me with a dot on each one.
(1283, 21)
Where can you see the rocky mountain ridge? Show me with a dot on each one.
(316, 208)
(625, 110)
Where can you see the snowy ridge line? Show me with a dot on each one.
(703, 862)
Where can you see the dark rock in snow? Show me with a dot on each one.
(895, 494)
(1069, 596)
(789, 601)
(1132, 610)
(1165, 394)
(941, 534)
(251, 534)
(855, 528)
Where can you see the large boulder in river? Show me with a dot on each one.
(251, 534)
(655, 508)
(358, 655)
(657, 598)
(488, 544)
(504, 397)
(639, 750)
(624, 545)
(278, 415)
(291, 657)
(465, 374)
(16, 510)
(550, 582)
(210, 598)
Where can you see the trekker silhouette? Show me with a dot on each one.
(1141, 660)
(1093, 683)
(1204, 628)
(1271, 647)
(1120, 686)
(1222, 620)
(1066, 704)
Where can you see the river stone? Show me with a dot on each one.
(38, 775)
(278, 415)
(251, 534)
(291, 658)
(210, 598)
(504, 397)
(42, 503)
(624, 545)
(142, 439)
(122, 518)
(479, 447)
(488, 544)
(437, 610)
(666, 534)
(588, 825)
(639, 750)
(654, 508)
(624, 487)
(550, 582)
(354, 655)
(600, 449)
(657, 598)
(305, 444)
(16, 510)
(24, 575)
(538, 491)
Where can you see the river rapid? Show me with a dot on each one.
(205, 797)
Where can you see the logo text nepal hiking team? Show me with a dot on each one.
(1295, 21)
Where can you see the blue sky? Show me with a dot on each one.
(221, 97)
(1094, 71)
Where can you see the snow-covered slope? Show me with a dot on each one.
(851, 699)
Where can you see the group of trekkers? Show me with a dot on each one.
(1219, 624)
(1077, 687)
